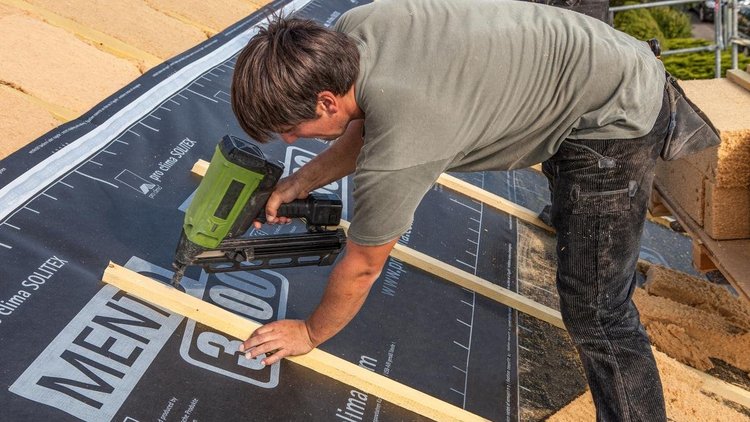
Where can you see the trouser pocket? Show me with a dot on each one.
(602, 202)
(590, 181)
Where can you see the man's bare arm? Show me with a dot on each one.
(335, 162)
(348, 287)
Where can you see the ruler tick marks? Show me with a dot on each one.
(460, 345)
(12, 226)
(97, 179)
(201, 95)
(180, 95)
(6, 246)
(209, 80)
(94, 162)
(49, 196)
(456, 391)
(468, 265)
(32, 210)
(168, 109)
(524, 328)
(199, 84)
(456, 367)
(134, 132)
(122, 142)
(63, 183)
(174, 101)
(152, 128)
(108, 152)
(465, 205)
(463, 322)
(155, 117)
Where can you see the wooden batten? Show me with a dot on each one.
(493, 200)
(324, 363)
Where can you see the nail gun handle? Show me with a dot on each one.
(318, 209)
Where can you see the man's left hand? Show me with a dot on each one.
(278, 340)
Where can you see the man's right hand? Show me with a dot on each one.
(287, 190)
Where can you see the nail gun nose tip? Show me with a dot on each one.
(177, 276)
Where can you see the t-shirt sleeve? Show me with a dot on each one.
(385, 201)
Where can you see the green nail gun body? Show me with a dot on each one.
(232, 194)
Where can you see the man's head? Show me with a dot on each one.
(290, 75)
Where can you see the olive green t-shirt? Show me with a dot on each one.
(483, 85)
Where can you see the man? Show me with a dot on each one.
(409, 89)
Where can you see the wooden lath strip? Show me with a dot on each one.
(324, 363)
(108, 43)
(493, 200)
(708, 382)
(476, 284)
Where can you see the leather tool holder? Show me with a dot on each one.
(690, 130)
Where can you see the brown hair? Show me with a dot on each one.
(282, 69)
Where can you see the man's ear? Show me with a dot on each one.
(328, 103)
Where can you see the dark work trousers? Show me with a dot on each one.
(600, 190)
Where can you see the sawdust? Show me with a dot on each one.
(20, 120)
(692, 291)
(548, 364)
(213, 14)
(536, 262)
(132, 22)
(548, 369)
(57, 67)
(682, 392)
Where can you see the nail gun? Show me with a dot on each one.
(232, 194)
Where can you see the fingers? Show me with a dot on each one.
(277, 340)
(277, 356)
(272, 207)
(273, 348)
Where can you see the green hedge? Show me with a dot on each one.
(640, 24)
(673, 30)
(697, 65)
(673, 23)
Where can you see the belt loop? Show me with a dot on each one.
(632, 188)
(575, 193)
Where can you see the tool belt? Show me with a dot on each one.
(690, 130)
